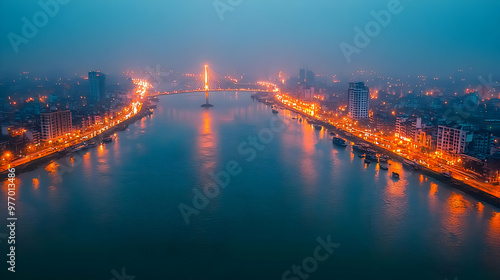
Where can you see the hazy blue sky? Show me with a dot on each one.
(428, 36)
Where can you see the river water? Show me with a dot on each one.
(114, 211)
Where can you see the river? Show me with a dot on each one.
(115, 210)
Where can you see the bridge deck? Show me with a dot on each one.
(210, 90)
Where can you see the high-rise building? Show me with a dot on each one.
(358, 101)
(55, 124)
(302, 76)
(306, 77)
(310, 77)
(97, 81)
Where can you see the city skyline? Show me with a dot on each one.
(238, 139)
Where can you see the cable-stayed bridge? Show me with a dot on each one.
(211, 81)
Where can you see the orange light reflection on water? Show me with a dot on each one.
(394, 208)
(454, 225)
(494, 227)
(307, 169)
(87, 166)
(433, 190)
(492, 241)
(395, 189)
(116, 149)
(36, 183)
(102, 157)
(480, 207)
(433, 199)
(207, 144)
(52, 169)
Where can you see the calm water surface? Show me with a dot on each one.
(117, 206)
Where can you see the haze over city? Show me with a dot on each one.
(249, 139)
(256, 37)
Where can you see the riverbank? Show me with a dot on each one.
(33, 164)
(457, 184)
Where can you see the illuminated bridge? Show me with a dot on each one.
(211, 81)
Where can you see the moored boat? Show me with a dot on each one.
(92, 144)
(107, 139)
(447, 174)
(383, 167)
(318, 127)
(80, 147)
(395, 175)
(339, 141)
(409, 164)
(367, 161)
(372, 157)
(384, 158)
(362, 147)
(275, 111)
(357, 147)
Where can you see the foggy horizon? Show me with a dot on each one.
(251, 38)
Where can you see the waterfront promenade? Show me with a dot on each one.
(461, 180)
(54, 148)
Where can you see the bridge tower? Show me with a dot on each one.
(206, 105)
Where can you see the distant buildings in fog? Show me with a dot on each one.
(306, 77)
(97, 81)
